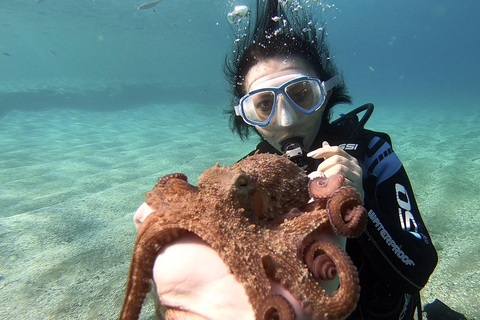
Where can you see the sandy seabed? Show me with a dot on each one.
(72, 179)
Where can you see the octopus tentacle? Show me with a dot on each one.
(169, 190)
(147, 247)
(293, 213)
(322, 187)
(344, 300)
(163, 180)
(275, 307)
(347, 215)
(316, 204)
(319, 263)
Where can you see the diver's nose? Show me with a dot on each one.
(285, 114)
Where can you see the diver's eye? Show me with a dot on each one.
(301, 93)
(263, 103)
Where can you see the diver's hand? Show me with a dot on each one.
(193, 282)
(141, 214)
(336, 161)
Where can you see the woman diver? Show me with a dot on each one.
(284, 88)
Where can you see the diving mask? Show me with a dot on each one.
(305, 94)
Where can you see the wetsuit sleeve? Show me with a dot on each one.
(396, 241)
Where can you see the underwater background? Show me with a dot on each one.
(98, 99)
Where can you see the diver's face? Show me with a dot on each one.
(287, 122)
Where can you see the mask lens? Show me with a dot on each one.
(306, 94)
(259, 106)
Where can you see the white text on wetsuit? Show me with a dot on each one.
(388, 239)
(406, 217)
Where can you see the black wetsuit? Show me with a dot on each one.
(395, 255)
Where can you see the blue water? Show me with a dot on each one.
(420, 50)
(423, 52)
(97, 99)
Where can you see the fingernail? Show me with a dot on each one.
(312, 153)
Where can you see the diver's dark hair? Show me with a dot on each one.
(275, 32)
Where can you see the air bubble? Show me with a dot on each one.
(239, 12)
(276, 19)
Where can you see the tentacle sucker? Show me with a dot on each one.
(318, 262)
(322, 187)
(275, 307)
(347, 215)
(163, 180)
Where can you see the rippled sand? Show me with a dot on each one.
(71, 180)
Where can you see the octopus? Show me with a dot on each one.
(259, 217)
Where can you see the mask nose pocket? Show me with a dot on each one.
(285, 114)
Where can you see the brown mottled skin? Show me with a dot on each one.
(255, 215)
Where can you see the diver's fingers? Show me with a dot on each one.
(337, 164)
(327, 151)
(348, 167)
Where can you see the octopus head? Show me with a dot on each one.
(265, 186)
(227, 185)
(280, 185)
